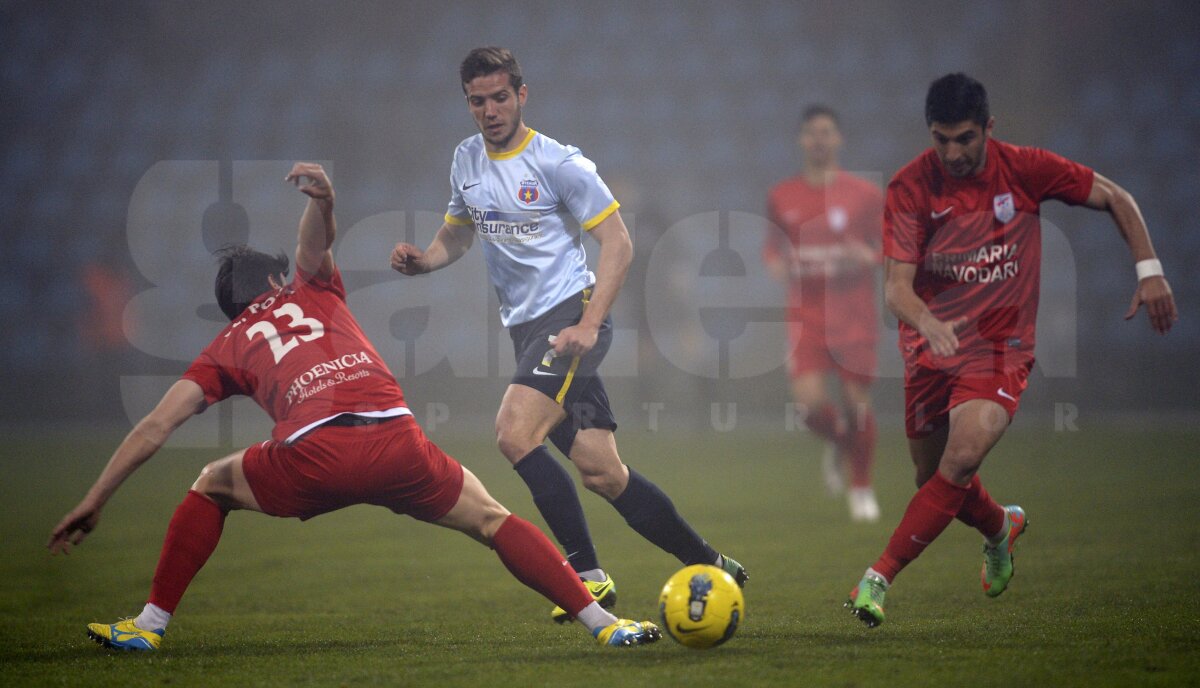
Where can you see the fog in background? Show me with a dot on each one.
(138, 137)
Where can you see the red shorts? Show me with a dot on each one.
(389, 464)
(854, 361)
(929, 394)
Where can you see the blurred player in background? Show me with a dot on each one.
(530, 199)
(823, 244)
(962, 240)
(343, 435)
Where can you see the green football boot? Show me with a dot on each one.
(866, 599)
(997, 568)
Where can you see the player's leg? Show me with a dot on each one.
(643, 505)
(974, 428)
(861, 435)
(532, 559)
(823, 419)
(526, 416)
(192, 536)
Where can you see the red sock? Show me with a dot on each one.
(927, 515)
(823, 421)
(191, 538)
(980, 511)
(530, 556)
(862, 447)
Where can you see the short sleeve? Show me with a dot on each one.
(456, 209)
(1051, 176)
(904, 229)
(582, 190)
(333, 285)
(773, 245)
(214, 381)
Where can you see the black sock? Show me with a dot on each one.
(555, 496)
(649, 511)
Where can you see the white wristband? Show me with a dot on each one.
(1148, 268)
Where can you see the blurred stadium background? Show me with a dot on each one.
(138, 136)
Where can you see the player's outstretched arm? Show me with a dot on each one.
(318, 227)
(451, 242)
(616, 253)
(903, 301)
(181, 402)
(1152, 288)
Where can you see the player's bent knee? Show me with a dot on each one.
(607, 484)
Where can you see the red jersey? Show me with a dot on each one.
(812, 228)
(299, 353)
(977, 244)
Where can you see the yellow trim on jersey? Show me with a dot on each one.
(455, 220)
(508, 155)
(562, 393)
(600, 216)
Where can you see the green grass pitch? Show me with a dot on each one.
(1103, 593)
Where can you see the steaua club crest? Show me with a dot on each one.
(1004, 207)
(529, 191)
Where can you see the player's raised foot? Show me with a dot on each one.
(832, 468)
(997, 568)
(124, 635)
(627, 633)
(866, 599)
(863, 507)
(603, 592)
(733, 568)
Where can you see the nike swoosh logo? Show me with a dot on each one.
(681, 630)
(468, 186)
(918, 540)
(542, 372)
(1000, 391)
(939, 215)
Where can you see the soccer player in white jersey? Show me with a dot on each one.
(530, 200)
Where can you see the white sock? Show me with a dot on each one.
(1000, 537)
(720, 562)
(594, 575)
(595, 617)
(873, 572)
(153, 618)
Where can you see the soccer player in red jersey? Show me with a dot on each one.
(823, 244)
(962, 240)
(343, 435)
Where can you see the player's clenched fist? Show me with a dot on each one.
(407, 259)
(312, 180)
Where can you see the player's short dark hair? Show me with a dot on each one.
(819, 110)
(956, 98)
(242, 276)
(489, 60)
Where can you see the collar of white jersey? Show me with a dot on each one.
(509, 155)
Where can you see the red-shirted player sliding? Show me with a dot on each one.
(962, 240)
(823, 243)
(343, 435)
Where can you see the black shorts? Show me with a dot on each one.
(571, 381)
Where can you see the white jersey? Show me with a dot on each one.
(529, 206)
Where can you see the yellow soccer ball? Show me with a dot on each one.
(701, 606)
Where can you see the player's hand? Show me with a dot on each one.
(408, 260)
(311, 179)
(73, 528)
(942, 335)
(576, 340)
(1160, 303)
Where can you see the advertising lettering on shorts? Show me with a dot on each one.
(990, 263)
(505, 227)
(324, 375)
(528, 193)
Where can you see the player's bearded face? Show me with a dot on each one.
(496, 107)
(961, 147)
